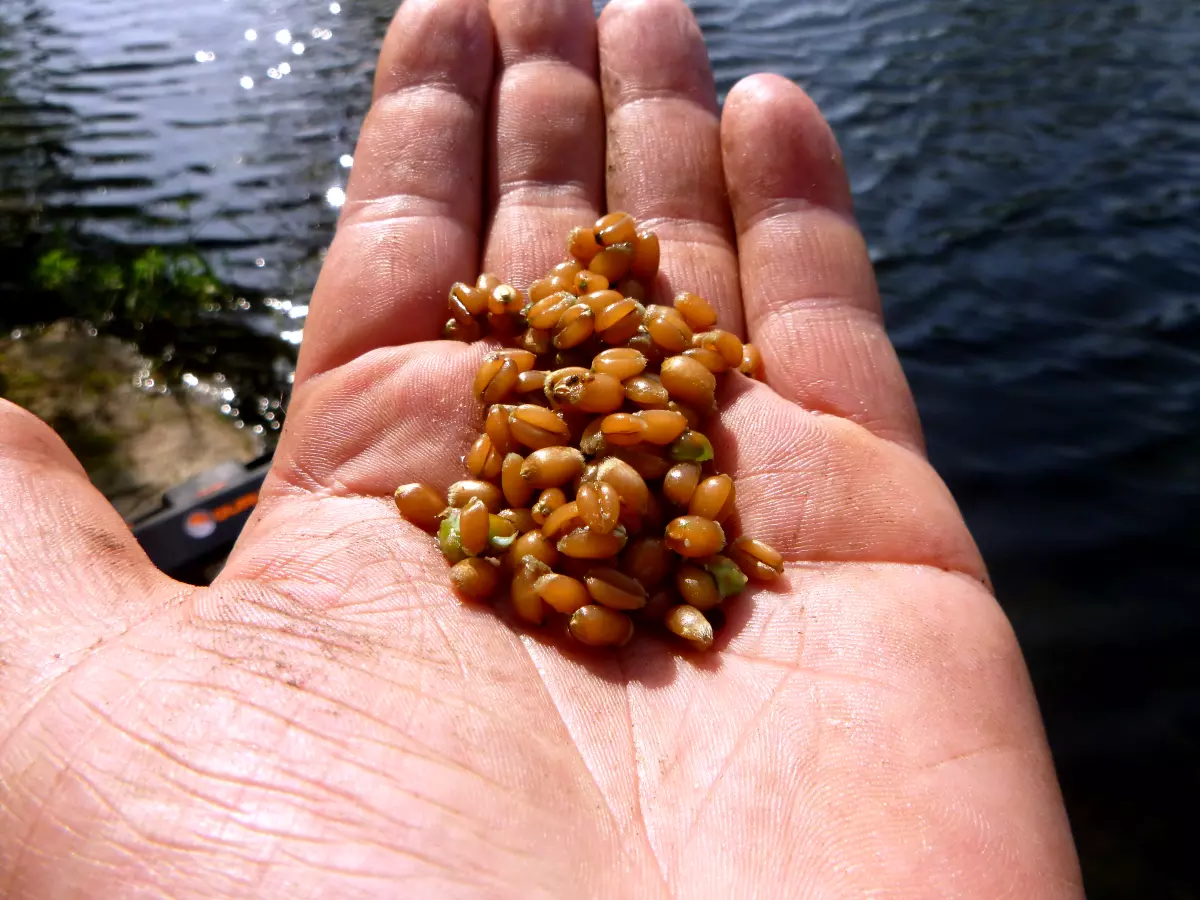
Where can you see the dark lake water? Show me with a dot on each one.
(1028, 176)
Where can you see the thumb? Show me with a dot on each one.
(66, 556)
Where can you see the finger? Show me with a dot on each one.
(410, 226)
(811, 302)
(664, 147)
(548, 149)
(68, 557)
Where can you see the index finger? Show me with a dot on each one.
(808, 287)
(410, 225)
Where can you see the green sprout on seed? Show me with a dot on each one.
(450, 538)
(496, 540)
(691, 446)
(729, 578)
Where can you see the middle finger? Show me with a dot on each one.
(548, 137)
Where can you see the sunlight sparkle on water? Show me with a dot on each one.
(298, 48)
(251, 34)
(247, 82)
(335, 8)
(346, 160)
(335, 197)
(283, 36)
(205, 56)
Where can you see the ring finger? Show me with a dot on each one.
(664, 147)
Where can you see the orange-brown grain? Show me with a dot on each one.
(552, 466)
(462, 492)
(615, 228)
(574, 326)
(647, 559)
(598, 626)
(709, 358)
(535, 544)
(536, 340)
(483, 460)
(619, 321)
(613, 262)
(757, 560)
(668, 329)
(589, 392)
(472, 299)
(544, 314)
(475, 579)
(547, 502)
(562, 593)
(696, 311)
(646, 391)
(521, 519)
(622, 429)
(495, 426)
(526, 602)
(751, 361)
(723, 342)
(540, 289)
(473, 527)
(697, 587)
(619, 362)
(646, 461)
(517, 491)
(693, 536)
(588, 282)
(532, 381)
(505, 299)
(537, 427)
(630, 486)
(662, 425)
(583, 543)
(599, 506)
(565, 518)
(495, 380)
(600, 300)
(689, 382)
(582, 244)
(421, 505)
(645, 257)
(614, 589)
(713, 498)
(689, 623)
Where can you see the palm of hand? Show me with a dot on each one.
(328, 720)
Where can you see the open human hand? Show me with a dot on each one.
(328, 720)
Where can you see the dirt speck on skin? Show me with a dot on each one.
(134, 444)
